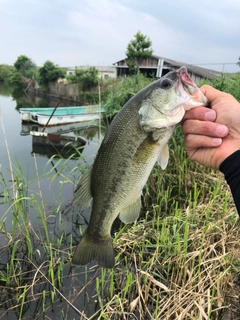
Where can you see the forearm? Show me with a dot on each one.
(230, 167)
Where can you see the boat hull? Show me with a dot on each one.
(57, 120)
(62, 115)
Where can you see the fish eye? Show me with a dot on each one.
(166, 83)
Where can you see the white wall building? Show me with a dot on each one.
(105, 72)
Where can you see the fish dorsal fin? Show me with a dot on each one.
(131, 212)
(163, 157)
(82, 194)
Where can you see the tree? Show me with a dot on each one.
(25, 66)
(138, 49)
(5, 72)
(49, 72)
(238, 61)
(15, 80)
(86, 78)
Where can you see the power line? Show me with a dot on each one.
(199, 64)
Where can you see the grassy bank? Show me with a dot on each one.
(179, 261)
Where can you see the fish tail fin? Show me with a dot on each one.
(94, 249)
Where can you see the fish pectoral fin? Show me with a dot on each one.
(82, 194)
(131, 212)
(163, 157)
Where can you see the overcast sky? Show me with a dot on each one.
(96, 32)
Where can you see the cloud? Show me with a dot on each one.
(111, 26)
(98, 32)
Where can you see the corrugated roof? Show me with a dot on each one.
(202, 72)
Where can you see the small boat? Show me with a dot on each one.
(57, 144)
(62, 115)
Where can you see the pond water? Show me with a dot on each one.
(16, 147)
(52, 182)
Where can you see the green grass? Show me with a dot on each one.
(121, 91)
(177, 262)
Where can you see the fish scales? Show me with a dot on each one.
(136, 139)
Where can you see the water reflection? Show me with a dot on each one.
(29, 100)
(21, 148)
(89, 128)
(5, 90)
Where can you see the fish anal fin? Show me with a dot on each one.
(94, 249)
(163, 157)
(82, 194)
(131, 212)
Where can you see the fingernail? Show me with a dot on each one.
(221, 130)
(210, 115)
(216, 141)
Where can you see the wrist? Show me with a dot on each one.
(227, 155)
(231, 162)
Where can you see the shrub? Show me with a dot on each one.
(124, 89)
(49, 72)
(85, 78)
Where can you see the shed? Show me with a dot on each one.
(159, 66)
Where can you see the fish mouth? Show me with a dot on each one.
(187, 83)
(189, 90)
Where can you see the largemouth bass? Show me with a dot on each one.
(136, 139)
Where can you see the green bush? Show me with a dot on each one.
(5, 72)
(25, 66)
(124, 89)
(229, 84)
(226, 83)
(15, 80)
(49, 72)
(85, 78)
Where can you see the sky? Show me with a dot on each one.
(96, 32)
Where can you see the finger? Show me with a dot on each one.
(193, 142)
(200, 113)
(211, 93)
(205, 128)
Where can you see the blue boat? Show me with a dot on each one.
(61, 115)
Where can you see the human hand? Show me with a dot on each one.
(211, 135)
